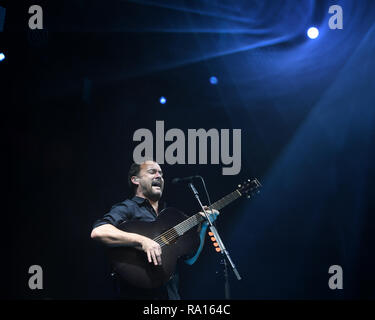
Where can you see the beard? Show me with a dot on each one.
(152, 194)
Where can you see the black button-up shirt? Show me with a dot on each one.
(135, 209)
(138, 209)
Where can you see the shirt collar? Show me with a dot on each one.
(138, 200)
(141, 200)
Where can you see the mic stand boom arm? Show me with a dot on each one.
(216, 234)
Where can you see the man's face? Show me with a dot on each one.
(150, 179)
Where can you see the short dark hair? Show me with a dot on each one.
(134, 170)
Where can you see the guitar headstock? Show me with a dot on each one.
(249, 187)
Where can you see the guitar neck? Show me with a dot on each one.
(196, 219)
(218, 205)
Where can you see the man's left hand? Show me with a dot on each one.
(212, 214)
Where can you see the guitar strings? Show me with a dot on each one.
(189, 223)
(173, 233)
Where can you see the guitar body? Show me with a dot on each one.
(132, 264)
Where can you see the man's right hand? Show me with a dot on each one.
(152, 249)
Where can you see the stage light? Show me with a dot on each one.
(163, 100)
(2, 56)
(313, 33)
(213, 80)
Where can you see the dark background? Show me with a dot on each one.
(73, 94)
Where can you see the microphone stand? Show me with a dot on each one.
(226, 278)
(224, 251)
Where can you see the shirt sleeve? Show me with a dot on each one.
(118, 214)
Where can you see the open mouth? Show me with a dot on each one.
(156, 184)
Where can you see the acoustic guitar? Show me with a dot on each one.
(176, 235)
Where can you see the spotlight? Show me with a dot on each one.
(2, 56)
(213, 80)
(313, 33)
(163, 100)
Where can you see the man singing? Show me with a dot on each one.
(146, 181)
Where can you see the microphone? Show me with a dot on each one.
(184, 180)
